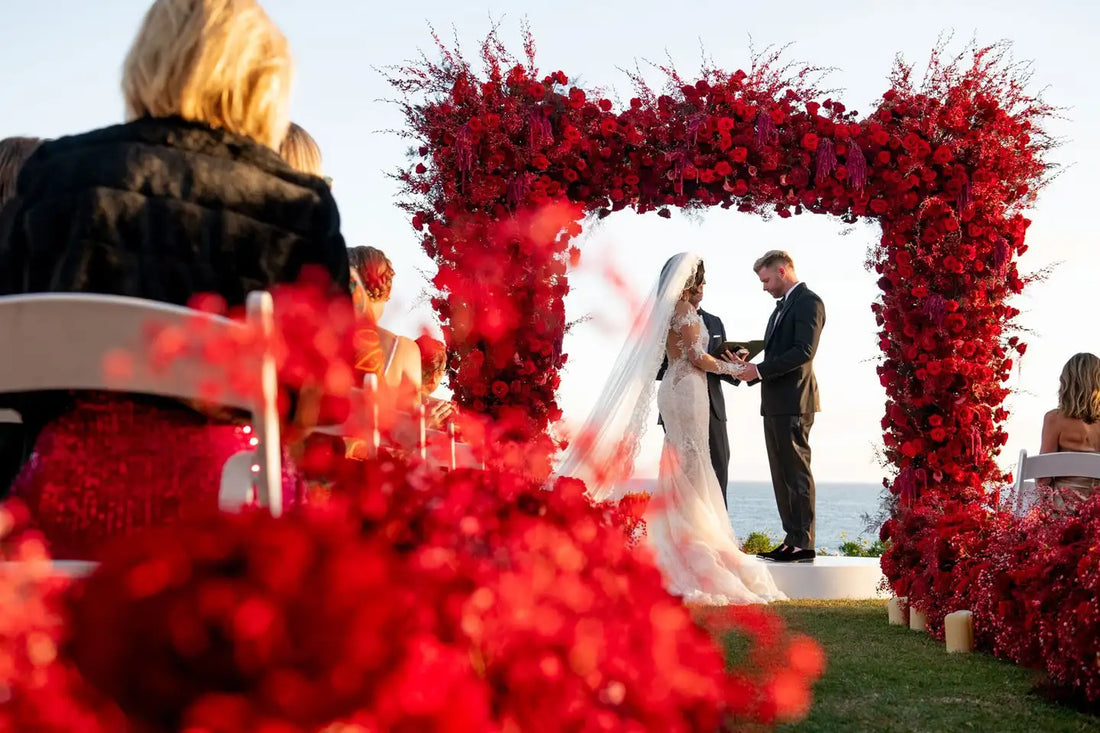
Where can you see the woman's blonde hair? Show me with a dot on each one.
(300, 151)
(14, 152)
(220, 62)
(1079, 388)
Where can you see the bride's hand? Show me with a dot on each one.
(732, 358)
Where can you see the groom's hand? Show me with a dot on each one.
(751, 374)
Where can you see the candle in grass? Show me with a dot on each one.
(896, 611)
(918, 621)
(958, 631)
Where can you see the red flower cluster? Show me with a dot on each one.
(414, 599)
(1032, 584)
(39, 690)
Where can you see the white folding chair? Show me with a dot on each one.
(58, 341)
(1051, 465)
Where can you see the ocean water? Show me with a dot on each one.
(840, 509)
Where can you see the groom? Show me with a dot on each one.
(788, 400)
(719, 438)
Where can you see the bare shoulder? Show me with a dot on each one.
(682, 307)
(407, 346)
(1053, 417)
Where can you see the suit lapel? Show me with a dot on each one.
(792, 296)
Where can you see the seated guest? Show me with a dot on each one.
(371, 286)
(433, 365)
(1074, 426)
(14, 152)
(301, 151)
(189, 196)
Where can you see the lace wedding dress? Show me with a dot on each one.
(687, 524)
(688, 529)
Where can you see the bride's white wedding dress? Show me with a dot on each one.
(687, 524)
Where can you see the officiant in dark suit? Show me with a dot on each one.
(719, 438)
(789, 400)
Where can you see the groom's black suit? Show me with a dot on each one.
(719, 438)
(788, 401)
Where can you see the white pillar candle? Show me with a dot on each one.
(896, 611)
(917, 620)
(958, 631)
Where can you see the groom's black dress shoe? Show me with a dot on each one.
(772, 554)
(793, 555)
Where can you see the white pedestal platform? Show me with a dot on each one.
(827, 578)
(830, 578)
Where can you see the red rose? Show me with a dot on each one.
(500, 389)
(723, 168)
(605, 105)
(809, 141)
(938, 434)
(739, 155)
(943, 155)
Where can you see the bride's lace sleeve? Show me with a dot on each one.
(686, 324)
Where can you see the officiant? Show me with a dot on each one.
(716, 345)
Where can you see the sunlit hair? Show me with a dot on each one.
(374, 270)
(1079, 388)
(300, 151)
(772, 258)
(433, 358)
(220, 62)
(14, 152)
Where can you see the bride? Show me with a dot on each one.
(687, 526)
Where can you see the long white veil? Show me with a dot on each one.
(602, 454)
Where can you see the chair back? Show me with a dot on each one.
(87, 341)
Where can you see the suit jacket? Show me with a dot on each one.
(787, 382)
(717, 333)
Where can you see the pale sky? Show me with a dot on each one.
(60, 64)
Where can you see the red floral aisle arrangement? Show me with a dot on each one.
(1033, 584)
(39, 691)
(415, 600)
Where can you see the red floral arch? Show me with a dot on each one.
(511, 161)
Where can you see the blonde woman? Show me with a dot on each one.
(188, 196)
(1074, 426)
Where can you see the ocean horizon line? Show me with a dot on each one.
(767, 480)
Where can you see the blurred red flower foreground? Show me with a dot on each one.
(404, 597)
(411, 600)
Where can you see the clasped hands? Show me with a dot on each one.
(750, 374)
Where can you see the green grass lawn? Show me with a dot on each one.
(888, 678)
